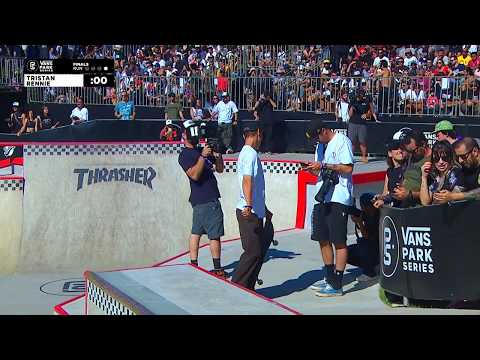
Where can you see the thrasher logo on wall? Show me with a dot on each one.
(416, 249)
(142, 176)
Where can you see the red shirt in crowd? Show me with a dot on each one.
(222, 84)
(168, 134)
(444, 70)
(432, 101)
(473, 64)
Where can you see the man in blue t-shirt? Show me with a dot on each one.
(199, 165)
(125, 109)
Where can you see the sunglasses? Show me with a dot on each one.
(444, 157)
(464, 157)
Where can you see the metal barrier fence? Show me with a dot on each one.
(453, 96)
(11, 71)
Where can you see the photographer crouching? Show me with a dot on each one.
(332, 203)
(199, 165)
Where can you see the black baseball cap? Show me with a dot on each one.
(393, 145)
(252, 127)
(314, 126)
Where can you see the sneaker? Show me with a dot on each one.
(329, 291)
(219, 273)
(366, 278)
(319, 285)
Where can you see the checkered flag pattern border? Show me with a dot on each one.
(272, 167)
(105, 302)
(102, 149)
(11, 185)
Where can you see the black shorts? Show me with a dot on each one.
(329, 223)
(208, 219)
(357, 132)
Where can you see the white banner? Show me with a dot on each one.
(53, 80)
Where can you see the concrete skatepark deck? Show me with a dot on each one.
(290, 268)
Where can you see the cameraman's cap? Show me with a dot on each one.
(443, 125)
(314, 126)
(16, 104)
(188, 123)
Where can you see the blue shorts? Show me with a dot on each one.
(208, 219)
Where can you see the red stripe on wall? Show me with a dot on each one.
(305, 178)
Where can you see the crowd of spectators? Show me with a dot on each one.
(409, 79)
(27, 122)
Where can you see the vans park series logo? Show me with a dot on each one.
(142, 176)
(415, 254)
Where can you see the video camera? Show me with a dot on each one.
(330, 179)
(199, 130)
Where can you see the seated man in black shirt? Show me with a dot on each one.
(360, 110)
(468, 155)
(199, 165)
(46, 121)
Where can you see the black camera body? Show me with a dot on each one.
(330, 179)
(209, 134)
(213, 144)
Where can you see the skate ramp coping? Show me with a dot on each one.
(180, 289)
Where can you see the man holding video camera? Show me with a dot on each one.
(333, 200)
(199, 165)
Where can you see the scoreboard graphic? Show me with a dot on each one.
(69, 73)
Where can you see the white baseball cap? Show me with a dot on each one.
(399, 133)
(169, 122)
(188, 123)
(16, 104)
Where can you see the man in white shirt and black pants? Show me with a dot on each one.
(331, 204)
(225, 111)
(251, 209)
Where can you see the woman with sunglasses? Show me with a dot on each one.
(442, 173)
(396, 160)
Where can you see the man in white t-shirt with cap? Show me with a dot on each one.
(333, 200)
(226, 112)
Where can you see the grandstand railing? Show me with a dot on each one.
(456, 96)
(11, 71)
